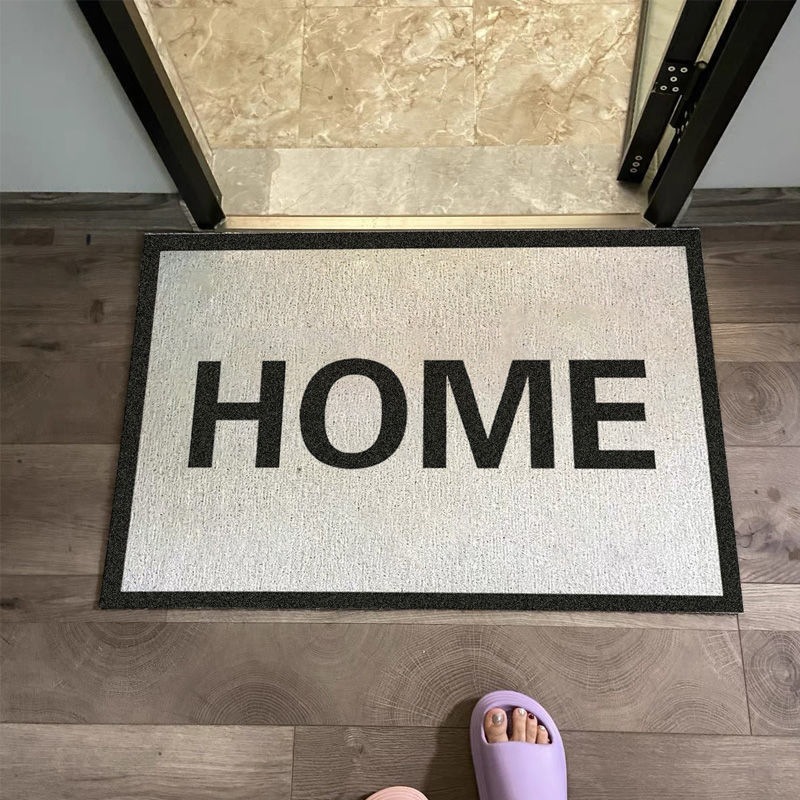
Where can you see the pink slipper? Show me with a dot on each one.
(517, 770)
(397, 793)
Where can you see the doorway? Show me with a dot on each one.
(296, 113)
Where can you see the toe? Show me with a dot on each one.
(519, 718)
(542, 737)
(531, 729)
(495, 726)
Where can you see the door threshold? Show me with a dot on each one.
(344, 223)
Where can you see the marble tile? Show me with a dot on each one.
(553, 73)
(243, 4)
(244, 177)
(387, 77)
(527, 3)
(390, 119)
(543, 179)
(243, 79)
(144, 9)
(396, 3)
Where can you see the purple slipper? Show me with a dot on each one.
(517, 770)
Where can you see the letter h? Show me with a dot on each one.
(268, 411)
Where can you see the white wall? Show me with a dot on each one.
(761, 146)
(65, 123)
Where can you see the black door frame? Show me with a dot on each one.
(701, 120)
(669, 85)
(145, 82)
(698, 100)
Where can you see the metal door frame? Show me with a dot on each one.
(139, 70)
(697, 100)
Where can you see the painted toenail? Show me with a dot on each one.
(542, 728)
(497, 719)
(522, 712)
(531, 716)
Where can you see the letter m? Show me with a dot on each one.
(487, 449)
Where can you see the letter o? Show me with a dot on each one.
(394, 413)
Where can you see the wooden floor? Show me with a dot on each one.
(304, 705)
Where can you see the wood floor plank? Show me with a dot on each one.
(765, 493)
(600, 766)
(47, 402)
(81, 279)
(66, 342)
(98, 762)
(359, 761)
(82, 401)
(752, 273)
(90, 240)
(62, 402)
(770, 607)
(73, 598)
(112, 342)
(55, 507)
(94, 210)
(772, 668)
(419, 675)
(743, 206)
(735, 236)
(26, 236)
(756, 341)
(620, 766)
(760, 403)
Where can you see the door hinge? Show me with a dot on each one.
(673, 77)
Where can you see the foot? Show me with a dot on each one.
(536, 767)
(520, 725)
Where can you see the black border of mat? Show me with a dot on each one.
(112, 596)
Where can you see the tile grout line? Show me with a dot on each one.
(744, 676)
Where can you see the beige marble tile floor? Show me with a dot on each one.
(409, 106)
(419, 181)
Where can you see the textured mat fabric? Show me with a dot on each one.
(507, 420)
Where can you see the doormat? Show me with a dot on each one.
(456, 420)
